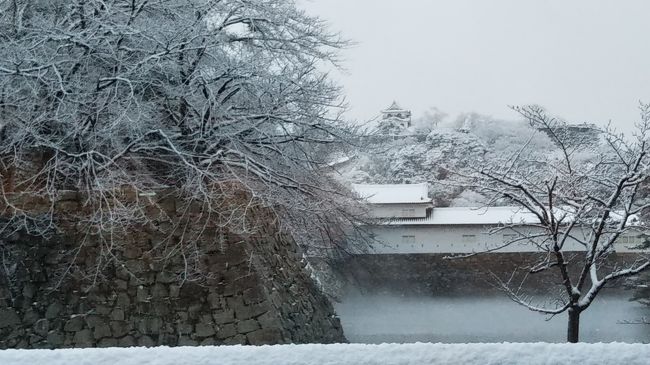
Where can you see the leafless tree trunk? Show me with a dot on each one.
(573, 331)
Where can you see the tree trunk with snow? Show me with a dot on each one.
(573, 330)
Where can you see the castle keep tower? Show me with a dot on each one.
(396, 116)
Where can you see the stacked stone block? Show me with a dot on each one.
(254, 290)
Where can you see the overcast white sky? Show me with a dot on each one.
(585, 60)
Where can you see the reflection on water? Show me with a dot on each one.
(381, 318)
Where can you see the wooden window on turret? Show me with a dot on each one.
(408, 239)
(469, 238)
(408, 212)
(509, 237)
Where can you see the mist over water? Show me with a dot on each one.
(378, 318)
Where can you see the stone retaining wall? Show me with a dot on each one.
(436, 274)
(253, 288)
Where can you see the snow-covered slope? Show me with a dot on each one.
(342, 354)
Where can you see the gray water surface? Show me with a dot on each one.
(378, 318)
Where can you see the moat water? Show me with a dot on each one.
(378, 318)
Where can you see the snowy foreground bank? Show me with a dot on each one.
(419, 353)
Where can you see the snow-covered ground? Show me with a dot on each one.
(389, 354)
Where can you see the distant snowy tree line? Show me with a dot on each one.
(434, 148)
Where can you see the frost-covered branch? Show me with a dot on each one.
(113, 97)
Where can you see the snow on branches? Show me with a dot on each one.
(103, 97)
(581, 193)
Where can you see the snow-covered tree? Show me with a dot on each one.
(205, 96)
(429, 121)
(579, 194)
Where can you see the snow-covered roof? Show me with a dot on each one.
(394, 107)
(393, 193)
(340, 160)
(471, 216)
